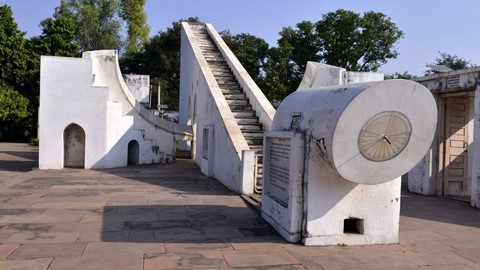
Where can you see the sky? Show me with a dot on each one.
(430, 26)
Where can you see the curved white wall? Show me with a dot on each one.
(90, 92)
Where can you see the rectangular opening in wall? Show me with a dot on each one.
(353, 225)
(205, 144)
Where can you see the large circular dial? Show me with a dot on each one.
(384, 136)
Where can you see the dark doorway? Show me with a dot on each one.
(133, 153)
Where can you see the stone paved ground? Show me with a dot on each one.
(171, 217)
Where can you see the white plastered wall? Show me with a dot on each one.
(203, 106)
(426, 178)
(90, 92)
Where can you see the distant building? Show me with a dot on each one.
(452, 168)
(139, 85)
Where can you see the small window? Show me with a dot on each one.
(205, 144)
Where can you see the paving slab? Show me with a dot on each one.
(250, 258)
(6, 250)
(42, 238)
(31, 251)
(34, 264)
(170, 216)
(116, 262)
(194, 260)
(112, 248)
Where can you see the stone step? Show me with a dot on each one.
(238, 102)
(254, 142)
(256, 148)
(253, 134)
(220, 66)
(226, 81)
(240, 107)
(221, 73)
(224, 74)
(228, 84)
(235, 96)
(251, 127)
(223, 68)
(209, 51)
(212, 56)
(215, 60)
(247, 121)
(231, 89)
(243, 114)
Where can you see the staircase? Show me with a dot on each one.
(239, 104)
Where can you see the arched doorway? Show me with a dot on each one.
(133, 153)
(74, 146)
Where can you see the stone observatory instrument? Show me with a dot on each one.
(357, 141)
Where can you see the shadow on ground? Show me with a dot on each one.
(439, 209)
(18, 161)
(181, 205)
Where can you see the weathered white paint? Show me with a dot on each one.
(203, 105)
(337, 110)
(427, 177)
(74, 146)
(475, 148)
(285, 217)
(91, 93)
(339, 184)
(139, 85)
(260, 104)
(319, 74)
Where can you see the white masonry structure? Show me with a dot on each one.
(452, 166)
(89, 119)
(335, 156)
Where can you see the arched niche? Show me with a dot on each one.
(74, 146)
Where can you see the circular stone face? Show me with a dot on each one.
(384, 136)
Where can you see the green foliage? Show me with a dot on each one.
(58, 38)
(452, 61)
(341, 38)
(161, 60)
(278, 81)
(13, 106)
(34, 141)
(250, 50)
(302, 46)
(98, 24)
(405, 76)
(346, 39)
(138, 31)
(13, 53)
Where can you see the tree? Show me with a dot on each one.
(357, 43)
(13, 106)
(279, 81)
(341, 38)
(250, 50)
(98, 24)
(161, 60)
(405, 76)
(13, 53)
(58, 38)
(452, 61)
(302, 43)
(132, 11)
